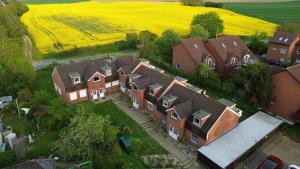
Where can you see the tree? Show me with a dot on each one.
(205, 76)
(211, 22)
(146, 38)
(164, 44)
(256, 81)
(192, 2)
(132, 40)
(86, 135)
(256, 44)
(198, 31)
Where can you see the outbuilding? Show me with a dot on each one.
(235, 145)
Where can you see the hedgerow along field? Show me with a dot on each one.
(276, 12)
(58, 27)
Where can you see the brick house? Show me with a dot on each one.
(88, 80)
(287, 93)
(183, 111)
(223, 54)
(282, 47)
(296, 55)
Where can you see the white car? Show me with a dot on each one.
(293, 167)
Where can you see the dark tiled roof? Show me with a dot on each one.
(228, 46)
(127, 69)
(196, 48)
(143, 82)
(198, 102)
(87, 69)
(156, 77)
(295, 72)
(283, 38)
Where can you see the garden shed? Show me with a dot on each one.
(126, 141)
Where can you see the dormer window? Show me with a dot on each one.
(234, 42)
(96, 79)
(122, 73)
(285, 40)
(135, 87)
(165, 103)
(153, 88)
(151, 91)
(200, 117)
(233, 61)
(223, 45)
(107, 70)
(75, 77)
(281, 38)
(196, 121)
(195, 45)
(283, 50)
(76, 80)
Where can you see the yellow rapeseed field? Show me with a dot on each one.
(57, 27)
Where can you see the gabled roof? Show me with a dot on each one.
(143, 82)
(86, 69)
(189, 102)
(283, 38)
(196, 48)
(295, 72)
(155, 77)
(229, 46)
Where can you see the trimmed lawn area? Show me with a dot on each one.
(274, 12)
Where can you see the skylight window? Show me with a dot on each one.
(223, 45)
(281, 38)
(196, 46)
(286, 39)
(234, 42)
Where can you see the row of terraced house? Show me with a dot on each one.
(183, 110)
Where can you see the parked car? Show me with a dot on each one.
(293, 167)
(271, 162)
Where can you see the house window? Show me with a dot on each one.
(196, 121)
(135, 87)
(223, 45)
(234, 42)
(165, 103)
(174, 115)
(177, 66)
(173, 130)
(82, 93)
(94, 92)
(283, 50)
(151, 91)
(150, 106)
(115, 83)
(122, 84)
(122, 73)
(298, 52)
(196, 46)
(107, 85)
(246, 57)
(194, 138)
(96, 79)
(76, 80)
(108, 72)
(274, 47)
(232, 61)
(73, 96)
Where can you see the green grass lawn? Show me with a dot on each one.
(278, 12)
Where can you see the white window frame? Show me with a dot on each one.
(73, 95)
(177, 66)
(233, 61)
(234, 42)
(173, 129)
(194, 122)
(59, 90)
(55, 86)
(130, 80)
(246, 57)
(115, 83)
(172, 115)
(107, 85)
(108, 72)
(97, 80)
(151, 93)
(274, 47)
(75, 80)
(165, 103)
(150, 106)
(283, 50)
(82, 93)
(192, 140)
(94, 92)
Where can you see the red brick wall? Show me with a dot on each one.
(179, 124)
(113, 89)
(91, 85)
(295, 55)
(183, 58)
(220, 64)
(154, 113)
(188, 139)
(78, 100)
(56, 79)
(226, 122)
(287, 95)
(139, 94)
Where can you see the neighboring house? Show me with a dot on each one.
(182, 109)
(282, 47)
(287, 93)
(224, 54)
(296, 55)
(88, 80)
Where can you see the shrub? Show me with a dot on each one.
(198, 31)
(214, 4)
(132, 40)
(8, 158)
(192, 2)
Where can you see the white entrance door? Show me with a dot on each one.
(94, 94)
(122, 86)
(101, 92)
(173, 132)
(135, 103)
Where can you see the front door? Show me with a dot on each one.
(94, 94)
(101, 92)
(173, 132)
(135, 102)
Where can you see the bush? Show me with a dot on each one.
(214, 4)
(192, 2)
(132, 40)
(8, 158)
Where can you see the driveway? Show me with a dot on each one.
(280, 146)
